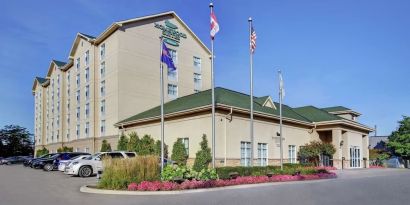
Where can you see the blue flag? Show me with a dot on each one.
(167, 58)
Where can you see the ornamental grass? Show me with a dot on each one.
(119, 173)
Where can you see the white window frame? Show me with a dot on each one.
(102, 108)
(87, 129)
(87, 58)
(197, 81)
(102, 128)
(102, 51)
(87, 93)
(78, 80)
(172, 75)
(77, 131)
(87, 74)
(78, 64)
(175, 93)
(102, 88)
(185, 141)
(245, 152)
(263, 154)
(102, 69)
(87, 110)
(197, 61)
(292, 154)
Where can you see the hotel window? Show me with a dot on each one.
(58, 120)
(86, 150)
(102, 127)
(185, 141)
(292, 153)
(102, 51)
(87, 58)
(68, 134)
(102, 108)
(197, 64)
(58, 106)
(102, 88)
(245, 154)
(68, 106)
(263, 154)
(172, 91)
(174, 55)
(173, 75)
(78, 64)
(87, 75)
(68, 77)
(68, 92)
(102, 69)
(87, 129)
(77, 80)
(77, 131)
(78, 113)
(197, 81)
(87, 92)
(58, 80)
(68, 120)
(77, 96)
(87, 110)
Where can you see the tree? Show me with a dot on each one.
(65, 149)
(41, 152)
(203, 156)
(146, 145)
(178, 153)
(122, 143)
(105, 146)
(313, 151)
(158, 149)
(133, 143)
(15, 140)
(399, 140)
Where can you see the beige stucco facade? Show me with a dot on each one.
(111, 77)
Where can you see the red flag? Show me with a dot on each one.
(214, 25)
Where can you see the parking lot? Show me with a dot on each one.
(21, 185)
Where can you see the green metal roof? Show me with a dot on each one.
(59, 63)
(41, 80)
(222, 96)
(315, 114)
(335, 109)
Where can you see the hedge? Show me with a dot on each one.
(289, 169)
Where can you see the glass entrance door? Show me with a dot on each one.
(354, 157)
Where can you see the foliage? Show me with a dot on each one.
(122, 143)
(175, 172)
(378, 154)
(289, 169)
(158, 149)
(41, 152)
(312, 151)
(133, 143)
(399, 140)
(178, 153)
(119, 173)
(65, 149)
(105, 146)
(15, 140)
(203, 156)
(198, 184)
(146, 146)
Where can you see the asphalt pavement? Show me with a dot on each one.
(20, 185)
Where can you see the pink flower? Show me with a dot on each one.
(133, 186)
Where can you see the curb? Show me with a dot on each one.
(90, 190)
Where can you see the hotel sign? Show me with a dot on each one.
(169, 33)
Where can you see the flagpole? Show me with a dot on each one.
(251, 81)
(162, 106)
(280, 118)
(211, 6)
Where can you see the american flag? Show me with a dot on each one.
(253, 40)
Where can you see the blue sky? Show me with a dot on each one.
(352, 53)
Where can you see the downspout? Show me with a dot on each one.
(227, 117)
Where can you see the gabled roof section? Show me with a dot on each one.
(118, 24)
(77, 39)
(340, 110)
(266, 101)
(315, 114)
(222, 97)
(42, 81)
(58, 64)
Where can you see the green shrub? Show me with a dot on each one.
(178, 153)
(118, 173)
(146, 146)
(105, 146)
(313, 150)
(122, 143)
(41, 152)
(203, 156)
(133, 143)
(158, 149)
(289, 169)
(65, 149)
(174, 172)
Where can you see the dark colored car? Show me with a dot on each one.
(52, 163)
(29, 162)
(13, 160)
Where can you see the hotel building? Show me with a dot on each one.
(110, 86)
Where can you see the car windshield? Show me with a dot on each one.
(76, 157)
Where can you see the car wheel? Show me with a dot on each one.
(48, 167)
(85, 171)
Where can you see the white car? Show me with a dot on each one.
(63, 163)
(90, 166)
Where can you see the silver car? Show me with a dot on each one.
(63, 163)
(90, 166)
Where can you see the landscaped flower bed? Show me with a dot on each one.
(197, 184)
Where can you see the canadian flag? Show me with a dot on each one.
(214, 25)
